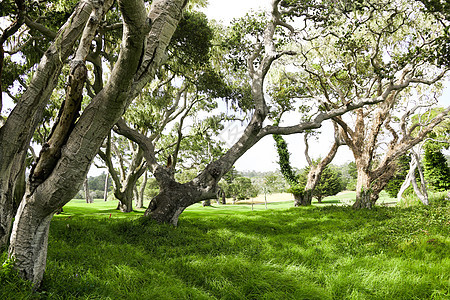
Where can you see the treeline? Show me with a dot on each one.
(96, 186)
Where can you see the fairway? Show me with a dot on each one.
(275, 201)
(230, 252)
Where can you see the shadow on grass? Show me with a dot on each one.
(299, 253)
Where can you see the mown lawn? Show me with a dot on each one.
(231, 252)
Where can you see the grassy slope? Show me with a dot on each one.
(230, 252)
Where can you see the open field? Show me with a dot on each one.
(231, 252)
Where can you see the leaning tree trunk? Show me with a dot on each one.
(173, 199)
(421, 192)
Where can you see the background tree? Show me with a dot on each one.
(373, 64)
(303, 187)
(436, 169)
(329, 184)
(130, 167)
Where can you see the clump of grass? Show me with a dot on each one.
(233, 253)
(10, 282)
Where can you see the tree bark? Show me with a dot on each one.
(303, 199)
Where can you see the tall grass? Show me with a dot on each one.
(326, 252)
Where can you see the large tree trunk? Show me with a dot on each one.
(17, 131)
(365, 197)
(303, 199)
(125, 199)
(173, 199)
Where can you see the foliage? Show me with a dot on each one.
(329, 184)
(229, 253)
(191, 42)
(348, 175)
(274, 183)
(284, 162)
(10, 280)
(436, 170)
(393, 187)
(240, 188)
(152, 188)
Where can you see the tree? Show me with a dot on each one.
(373, 63)
(303, 187)
(141, 194)
(65, 159)
(255, 43)
(168, 113)
(87, 193)
(436, 170)
(329, 184)
(241, 188)
(410, 178)
(129, 170)
(433, 141)
(272, 184)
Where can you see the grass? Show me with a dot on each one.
(231, 252)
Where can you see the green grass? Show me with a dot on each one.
(231, 252)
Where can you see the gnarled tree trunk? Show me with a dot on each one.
(174, 198)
